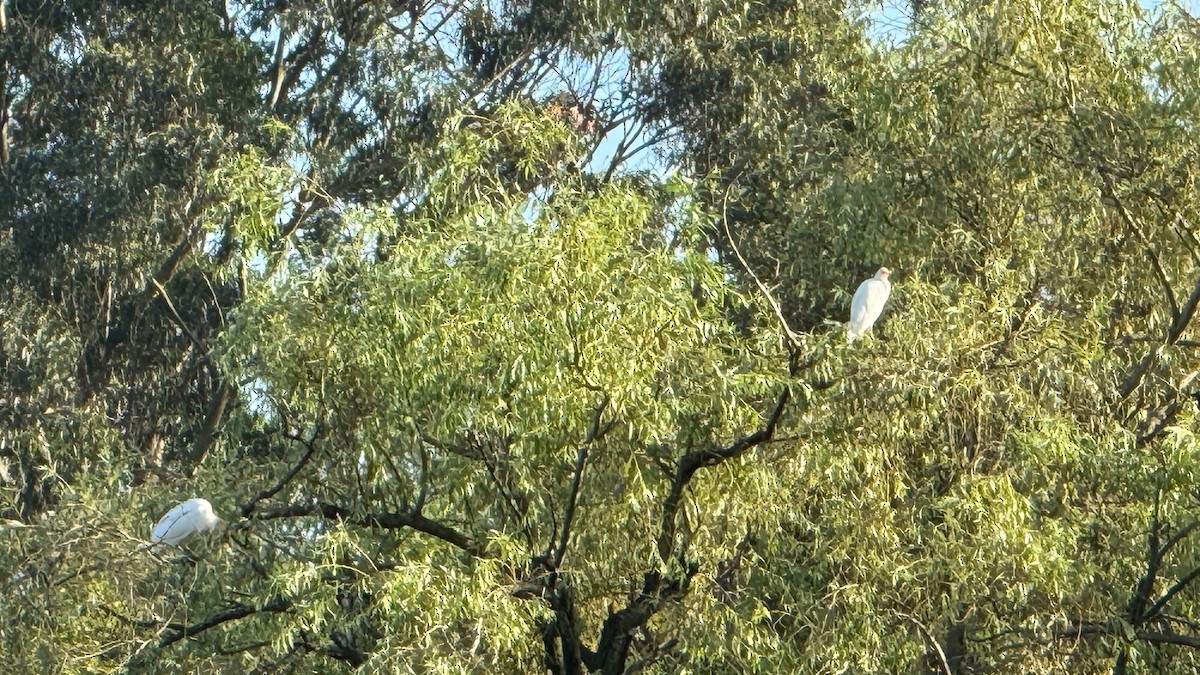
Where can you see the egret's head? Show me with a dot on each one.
(883, 273)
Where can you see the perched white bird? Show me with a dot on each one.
(868, 303)
(181, 522)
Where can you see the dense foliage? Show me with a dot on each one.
(477, 385)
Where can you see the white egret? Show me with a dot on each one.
(868, 303)
(181, 522)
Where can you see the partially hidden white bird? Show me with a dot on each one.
(868, 303)
(194, 515)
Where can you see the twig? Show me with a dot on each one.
(792, 336)
(311, 447)
(928, 636)
(178, 320)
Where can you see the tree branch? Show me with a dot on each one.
(593, 434)
(1158, 422)
(1141, 596)
(453, 448)
(1161, 603)
(932, 642)
(694, 461)
(4, 114)
(1179, 536)
(1079, 630)
(279, 70)
(775, 306)
(616, 634)
(1127, 218)
(234, 613)
(310, 448)
(1174, 332)
(387, 521)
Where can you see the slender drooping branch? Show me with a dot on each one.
(1110, 192)
(935, 646)
(792, 337)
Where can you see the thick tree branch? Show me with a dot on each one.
(1158, 422)
(300, 59)
(453, 448)
(693, 461)
(279, 70)
(1141, 596)
(1186, 313)
(569, 654)
(1146, 338)
(1179, 536)
(208, 429)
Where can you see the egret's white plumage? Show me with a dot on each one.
(868, 303)
(181, 522)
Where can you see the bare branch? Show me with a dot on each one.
(4, 114)
(1141, 595)
(615, 635)
(453, 448)
(310, 448)
(1174, 332)
(593, 434)
(280, 69)
(1179, 536)
(234, 613)
(1161, 603)
(1079, 630)
(931, 641)
(1191, 344)
(212, 419)
(387, 521)
(1158, 422)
